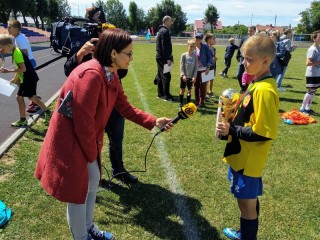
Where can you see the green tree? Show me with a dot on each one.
(28, 7)
(116, 14)
(64, 9)
(168, 7)
(211, 16)
(42, 10)
(310, 19)
(133, 16)
(53, 11)
(141, 20)
(5, 11)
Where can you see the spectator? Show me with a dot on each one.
(231, 48)
(251, 32)
(204, 63)
(312, 74)
(69, 164)
(210, 39)
(26, 77)
(164, 56)
(276, 67)
(188, 71)
(286, 40)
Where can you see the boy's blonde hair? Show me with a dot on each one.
(275, 33)
(232, 40)
(191, 41)
(15, 24)
(5, 40)
(209, 36)
(262, 45)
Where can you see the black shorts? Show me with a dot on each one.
(313, 82)
(28, 89)
(187, 84)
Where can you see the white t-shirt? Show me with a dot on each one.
(23, 43)
(314, 53)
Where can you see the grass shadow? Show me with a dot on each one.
(159, 215)
(292, 100)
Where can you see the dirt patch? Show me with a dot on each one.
(5, 177)
(8, 159)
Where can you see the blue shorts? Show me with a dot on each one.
(244, 187)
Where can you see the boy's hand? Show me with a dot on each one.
(4, 70)
(193, 80)
(184, 78)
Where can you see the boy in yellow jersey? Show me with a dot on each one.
(250, 133)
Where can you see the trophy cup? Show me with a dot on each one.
(226, 104)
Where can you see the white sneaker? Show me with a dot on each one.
(281, 89)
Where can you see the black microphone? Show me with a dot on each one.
(185, 112)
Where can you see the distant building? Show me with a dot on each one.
(201, 26)
(267, 28)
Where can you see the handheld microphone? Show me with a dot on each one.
(186, 111)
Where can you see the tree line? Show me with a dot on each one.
(44, 12)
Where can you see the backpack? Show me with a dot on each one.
(68, 37)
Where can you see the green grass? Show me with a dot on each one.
(289, 206)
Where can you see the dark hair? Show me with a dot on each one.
(110, 39)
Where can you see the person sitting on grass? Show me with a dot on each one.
(250, 134)
(188, 71)
(26, 78)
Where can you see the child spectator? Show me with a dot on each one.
(188, 71)
(14, 29)
(246, 80)
(312, 74)
(228, 57)
(26, 77)
(210, 39)
(250, 134)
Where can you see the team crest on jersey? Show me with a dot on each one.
(246, 100)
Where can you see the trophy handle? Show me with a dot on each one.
(218, 120)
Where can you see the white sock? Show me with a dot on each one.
(309, 102)
(306, 101)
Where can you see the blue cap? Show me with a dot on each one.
(199, 35)
(5, 214)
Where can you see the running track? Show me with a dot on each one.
(51, 79)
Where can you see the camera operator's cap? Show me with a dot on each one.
(105, 26)
(5, 214)
(199, 35)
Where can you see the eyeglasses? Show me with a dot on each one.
(128, 54)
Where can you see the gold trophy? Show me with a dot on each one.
(227, 102)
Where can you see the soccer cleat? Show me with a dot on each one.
(232, 234)
(281, 89)
(310, 112)
(19, 123)
(125, 177)
(96, 234)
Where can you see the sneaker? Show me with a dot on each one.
(311, 112)
(281, 89)
(19, 123)
(160, 96)
(96, 234)
(232, 234)
(221, 74)
(47, 117)
(125, 177)
(33, 108)
(168, 99)
(226, 76)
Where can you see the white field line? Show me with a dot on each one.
(189, 225)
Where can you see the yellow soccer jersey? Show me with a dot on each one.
(258, 110)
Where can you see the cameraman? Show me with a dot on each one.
(115, 125)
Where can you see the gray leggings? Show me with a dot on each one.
(80, 216)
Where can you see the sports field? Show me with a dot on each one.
(185, 193)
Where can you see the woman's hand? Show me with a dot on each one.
(162, 122)
(4, 70)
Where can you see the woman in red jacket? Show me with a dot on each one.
(69, 164)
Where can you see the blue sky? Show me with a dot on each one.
(247, 12)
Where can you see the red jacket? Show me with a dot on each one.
(71, 143)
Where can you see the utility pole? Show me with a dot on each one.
(275, 20)
(251, 19)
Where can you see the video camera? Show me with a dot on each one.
(70, 34)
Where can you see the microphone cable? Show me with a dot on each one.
(109, 185)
